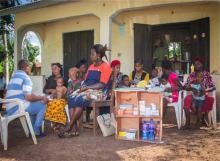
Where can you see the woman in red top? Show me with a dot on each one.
(97, 78)
(207, 85)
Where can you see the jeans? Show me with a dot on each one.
(36, 111)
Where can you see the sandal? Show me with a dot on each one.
(75, 133)
(65, 135)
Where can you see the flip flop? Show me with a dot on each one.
(75, 133)
(65, 135)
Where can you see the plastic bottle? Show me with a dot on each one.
(192, 68)
(157, 131)
(145, 130)
(151, 130)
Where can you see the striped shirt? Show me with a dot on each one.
(19, 85)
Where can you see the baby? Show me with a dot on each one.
(154, 81)
(60, 89)
(165, 85)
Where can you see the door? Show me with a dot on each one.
(200, 40)
(76, 46)
(142, 45)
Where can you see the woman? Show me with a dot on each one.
(97, 78)
(172, 79)
(82, 67)
(205, 80)
(73, 84)
(138, 74)
(116, 74)
(50, 87)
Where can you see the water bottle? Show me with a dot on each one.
(151, 130)
(157, 131)
(145, 130)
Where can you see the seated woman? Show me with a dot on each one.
(55, 111)
(173, 80)
(82, 68)
(73, 85)
(138, 74)
(199, 83)
(116, 77)
(50, 86)
(97, 78)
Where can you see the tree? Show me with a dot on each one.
(6, 27)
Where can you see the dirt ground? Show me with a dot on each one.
(201, 145)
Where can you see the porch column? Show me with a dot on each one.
(105, 33)
(15, 50)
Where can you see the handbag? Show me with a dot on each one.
(107, 124)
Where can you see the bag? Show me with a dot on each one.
(107, 124)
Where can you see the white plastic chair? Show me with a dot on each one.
(67, 114)
(24, 118)
(178, 109)
(212, 113)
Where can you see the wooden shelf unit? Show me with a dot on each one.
(126, 122)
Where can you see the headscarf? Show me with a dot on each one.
(114, 63)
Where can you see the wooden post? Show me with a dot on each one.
(6, 54)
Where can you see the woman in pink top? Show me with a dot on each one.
(173, 80)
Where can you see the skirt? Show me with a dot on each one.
(78, 101)
(55, 111)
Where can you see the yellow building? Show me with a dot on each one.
(60, 24)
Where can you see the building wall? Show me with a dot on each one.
(52, 41)
(63, 18)
(84, 7)
(123, 44)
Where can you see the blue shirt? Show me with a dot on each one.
(19, 86)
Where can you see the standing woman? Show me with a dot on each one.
(50, 86)
(97, 78)
(138, 74)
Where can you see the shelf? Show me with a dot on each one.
(123, 138)
(146, 141)
(126, 121)
(132, 116)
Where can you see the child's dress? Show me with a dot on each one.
(198, 99)
(55, 111)
(154, 82)
(167, 95)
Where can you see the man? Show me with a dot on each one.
(20, 87)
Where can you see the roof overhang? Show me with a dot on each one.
(33, 5)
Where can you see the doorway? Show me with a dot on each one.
(76, 46)
(179, 42)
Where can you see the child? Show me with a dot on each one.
(60, 89)
(55, 111)
(198, 98)
(165, 85)
(125, 82)
(154, 81)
